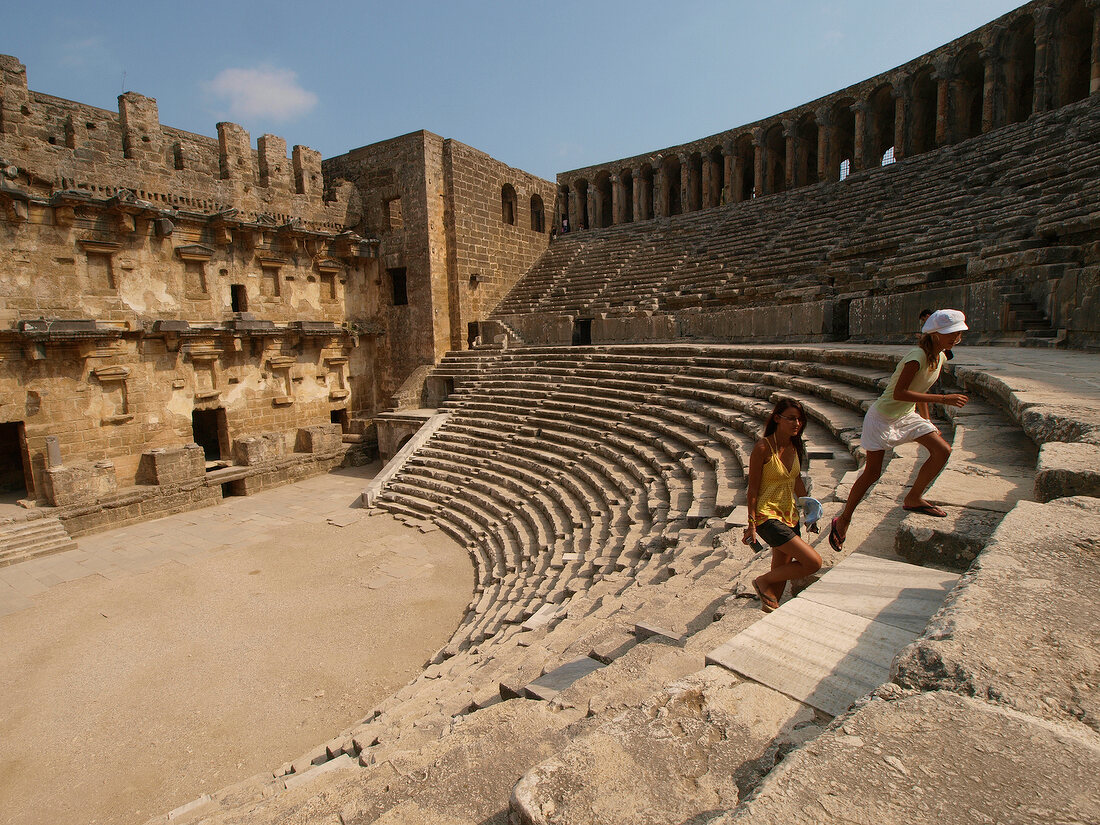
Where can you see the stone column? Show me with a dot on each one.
(686, 174)
(660, 189)
(617, 201)
(639, 199)
(737, 180)
(901, 117)
(791, 139)
(1044, 23)
(824, 143)
(593, 205)
(944, 78)
(727, 161)
(1094, 82)
(859, 140)
(706, 194)
(574, 209)
(759, 161)
(991, 64)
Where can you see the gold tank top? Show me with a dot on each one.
(776, 496)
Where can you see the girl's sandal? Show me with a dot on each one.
(836, 541)
(767, 603)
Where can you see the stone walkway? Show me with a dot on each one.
(182, 538)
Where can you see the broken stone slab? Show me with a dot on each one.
(344, 762)
(1067, 470)
(547, 686)
(645, 630)
(545, 616)
(953, 542)
(679, 755)
(1020, 628)
(887, 763)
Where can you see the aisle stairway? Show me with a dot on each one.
(22, 540)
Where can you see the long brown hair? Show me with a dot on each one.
(927, 344)
(781, 406)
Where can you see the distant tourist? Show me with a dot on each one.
(774, 482)
(564, 225)
(893, 420)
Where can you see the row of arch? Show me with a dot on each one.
(508, 202)
(1044, 59)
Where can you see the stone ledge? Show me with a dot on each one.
(1067, 470)
(953, 542)
(889, 761)
(1020, 628)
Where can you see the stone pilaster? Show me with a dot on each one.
(902, 98)
(1094, 78)
(991, 65)
(944, 77)
(790, 136)
(1044, 25)
(759, 161)
(859, 140)
(824, 144)
(686, 173)
(617, 200)
(660, 189)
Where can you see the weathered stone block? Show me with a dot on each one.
(953, 542)
(259, 449)
(1067, 470)
(321, 438)
(888, 762)
(1021, 626)
(79, 483)
(171, 466)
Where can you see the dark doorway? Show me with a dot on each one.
(13, 465)
(339, 417)
(471, 333)
(582, 331)
(210, 431)
(238, 296)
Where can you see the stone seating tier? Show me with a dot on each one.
(886, 231)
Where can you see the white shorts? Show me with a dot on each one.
(881, 433)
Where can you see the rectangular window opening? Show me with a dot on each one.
(399, 285)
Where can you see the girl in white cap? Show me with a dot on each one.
(893, 419)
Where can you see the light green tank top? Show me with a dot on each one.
(886, 406)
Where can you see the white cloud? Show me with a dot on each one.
(262, 92)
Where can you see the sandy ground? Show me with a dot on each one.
(122, 699)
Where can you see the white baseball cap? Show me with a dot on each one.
(945, 321)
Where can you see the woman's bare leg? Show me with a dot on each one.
(938, 453)
(803, 561)
(872, 471)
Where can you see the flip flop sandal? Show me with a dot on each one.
(767, 603)
(927, 510)
(835, 540)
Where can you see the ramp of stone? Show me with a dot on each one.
(834, 643)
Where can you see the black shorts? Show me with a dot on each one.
(775, 532)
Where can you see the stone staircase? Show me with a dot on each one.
(24, 540)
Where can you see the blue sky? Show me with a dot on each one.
(546, 87)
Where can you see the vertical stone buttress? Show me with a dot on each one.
(686, 188)
(944, 76)
(859, 141)
(789, 160)
(1044, 23)
(140, 122)
(617, 200)
(759, 161)
(824, 143)
(901, 117)
(1094, 78)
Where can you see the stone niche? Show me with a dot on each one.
(80, 483)
(163, 465)
(266, 448)
(319, 439)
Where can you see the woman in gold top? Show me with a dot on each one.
(774, 481)
(901, 415)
